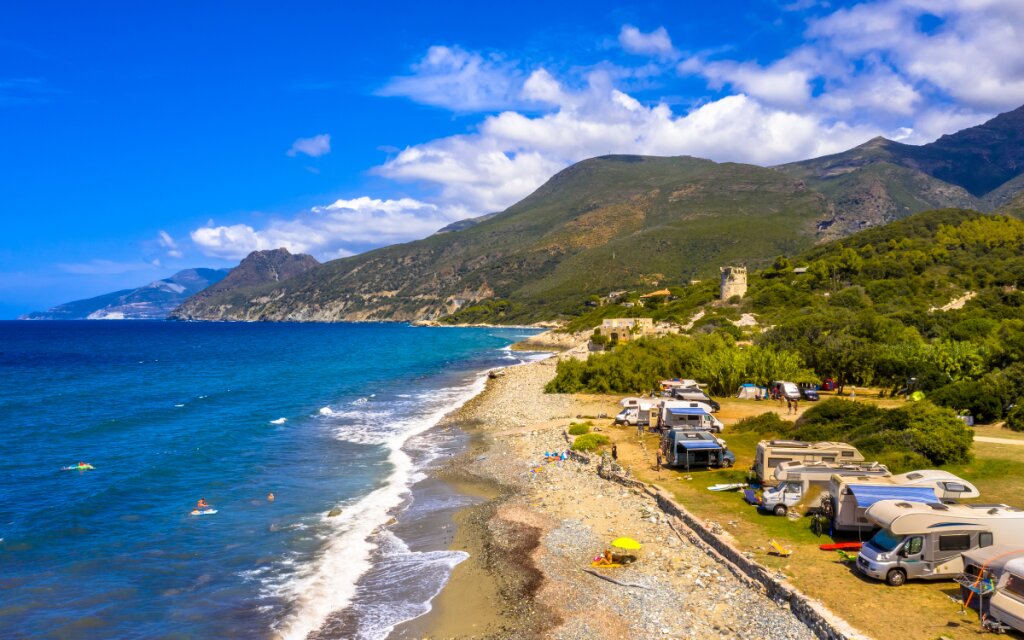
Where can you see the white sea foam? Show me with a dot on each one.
(329, 583)
(279, 421)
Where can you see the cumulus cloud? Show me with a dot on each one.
(512, 153)
(655, 43)
(318, 145)
(459, 80)
(165, 240)
(338, 229)
(908, 69)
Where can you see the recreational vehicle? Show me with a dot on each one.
(1007, 602)
(636, 411)
(850, 496)
(926, 540)
(804, 483)
(772, 453)
(673, 414)
(983, 568)
(687, 448)
(696, 395)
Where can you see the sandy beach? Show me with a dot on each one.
(542, 523)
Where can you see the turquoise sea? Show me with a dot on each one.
(323, 416)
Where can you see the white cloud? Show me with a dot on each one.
(655, 43)
(165, 240)
(973, 55)
(456, 79)
(512, 153)
(318, 145)
(338, 229)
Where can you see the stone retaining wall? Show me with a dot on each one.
(822, 622)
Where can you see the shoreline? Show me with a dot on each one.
(528, 542)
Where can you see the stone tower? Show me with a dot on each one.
(734, 282)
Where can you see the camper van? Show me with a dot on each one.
(850, 496)
(926, 540)
(983, 569)
(805, 483)
(687, 448)
(673, 414)
(772, 453)
(668, 386)
(783, 389)
(1006, 604)
(636, 411)
(696, 395)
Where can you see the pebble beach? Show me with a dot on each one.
(540, 524)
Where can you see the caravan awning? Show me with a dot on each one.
(699, 444)
(867, 494)
(687, 411)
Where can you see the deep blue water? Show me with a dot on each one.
(172, 412)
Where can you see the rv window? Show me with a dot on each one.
(774, 462)
(1015, 586)
(828, 458)
(847, 454)
(954, 487)
(914, 476)
(985, 539)
(955, 542)
(914, 546)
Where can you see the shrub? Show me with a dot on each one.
(913, 436)
(1015, 419)
(766, 423)
(579, 428)
(589, 442)
(972, 397)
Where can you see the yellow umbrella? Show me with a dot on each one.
(626, 543)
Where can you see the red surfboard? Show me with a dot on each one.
(845, 546)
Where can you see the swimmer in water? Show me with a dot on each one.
(270, 497)
(202, 504)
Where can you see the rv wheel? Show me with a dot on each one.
(779, 510)
(895, 578)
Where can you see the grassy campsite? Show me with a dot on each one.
(997, 469)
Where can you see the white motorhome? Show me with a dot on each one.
(683, 414)
(805, 483)
(926, 540)
(636, 411)
(772, 453)
(850, 496)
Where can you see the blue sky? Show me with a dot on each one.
(138, 139)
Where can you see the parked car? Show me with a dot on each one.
(810, 394)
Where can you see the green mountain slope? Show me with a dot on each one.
(602, 223)
(879, 181)
(635, 222)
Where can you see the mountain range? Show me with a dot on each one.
(153, 301)
(623, 221)
(638, 221)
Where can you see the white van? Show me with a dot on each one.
(918, 540)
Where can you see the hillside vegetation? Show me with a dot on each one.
(638, 222)
(931, 303)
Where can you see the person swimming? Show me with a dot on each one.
(202, 504)
(270, 496)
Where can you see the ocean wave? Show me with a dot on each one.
(279, 421)
(329, 583)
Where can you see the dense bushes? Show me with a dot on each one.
(915, 436)
(637, 366)
(766, 423)
(589, 442)
(1015, 419)
(917, 433)
(579, 428)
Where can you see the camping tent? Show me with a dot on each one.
(750, 392)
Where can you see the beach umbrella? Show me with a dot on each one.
(626, 543)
